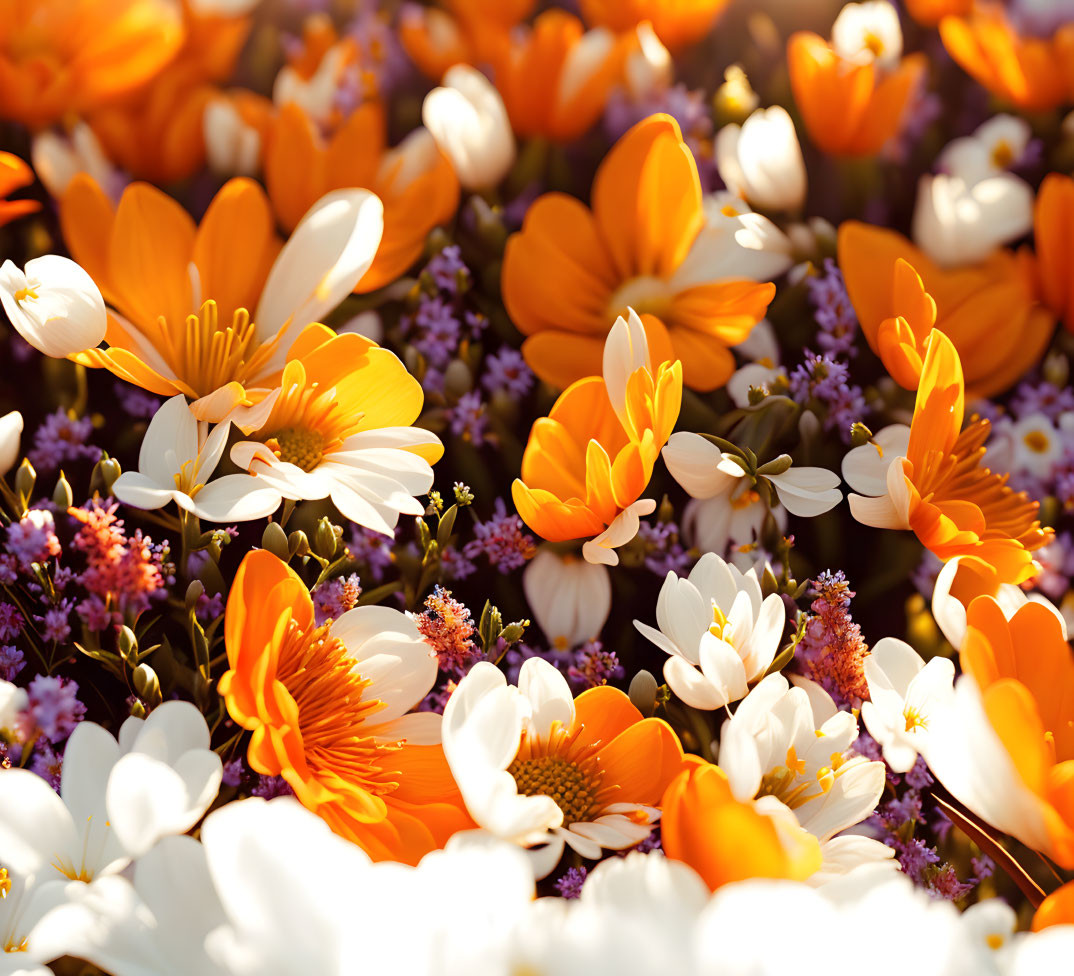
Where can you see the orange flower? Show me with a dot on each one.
(1036, 74)
(930, 479)
(468, 32)
(14, 175)
(587, 463)
(571, 271)
(156, 133)
(1056, 909)
(414, 181)
(59, 58)
(676, 22)
(1053, 216)
(850, 109)
(725, 840)
(989, 311)
(931, 12)
(1025, 672)
(328, 710)
(555, 77)
(211, 311)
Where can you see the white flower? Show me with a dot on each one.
(994, 147)
(176, 460)
(792, 744)
(498, 737)
(960, 574)
(807, 491)
(570, 597)
(648, 70)
(469, 122)
(868, 32)
(22, 907)
(876, 470)
(57, 160)
(232, 146)
(1034, 446)
(10, 433)
(12, 701)
(761, 160)
(719, 633)
(956, 222)
(54, 305)
(734, 243)
(316, 94)
(904, 693)
(116, 798)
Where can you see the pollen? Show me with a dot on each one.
(300, 447)
(23, 293)
(5, 884)
(564, 781)
(914, 719)
(719, 622)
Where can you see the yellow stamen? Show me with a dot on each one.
(914, 719)
(23, 293)
(5, 884)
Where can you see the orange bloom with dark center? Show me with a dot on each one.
(989, 311)
(676, 22)
(14, 175)
(571, 270)
(555, 77)
(725, 840)
(1025, 671)
(328, 706)
(849, 109)
(414, 181)
(156, 132)
(1053, 221)
(1036, 74)
(60, 57)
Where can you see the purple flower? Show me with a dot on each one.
(10, 621)
(232, 773)
(53, 706)
(54, 626)
(834, 312)
(436, 331)
(33, 538)
(272, 786)
(594, 666)
(12, 661)
(455, 564)
(136, 402)
(664, 550)
(502, 539)
(335, 597)
(824, 382)
(468, 418)
(48, 764)
(570, 885)
(448, 270)
(62, 438)
(507, 372)
(1040, 396)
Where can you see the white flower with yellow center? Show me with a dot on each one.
(994, 147)
(23, 904)
(792, 744)
(904, 693)
(539, 769)
(338, 427)
(719, 633)
(868, 33)
(178, 457)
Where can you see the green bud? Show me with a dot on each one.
(105, 473)
(138, 709)
(62, 496)
(735, 99)
(513, 632)
(298, 544)
(436, 501)
(776, 465)
(193, 594)
(146, 683)
(25, 479)
(457, 379)
(860, 434)
(463, 495)
(326, 539)
(274, 539)
(642, 692)
(128, 643)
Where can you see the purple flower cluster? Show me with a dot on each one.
(822, 383)
(53, 709)
(469, 419)
(664, 551)
(834, 312)
(335, 597)
(502, 539)
(62, 438)
(594, 666)
(507, 372)
(832, 650)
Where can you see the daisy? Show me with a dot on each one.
(542, 769)
(338, 427)
(572, 271)
(328, 710)
(587, 463)
(930, 479)
(192, 313)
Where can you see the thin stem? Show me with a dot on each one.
(976, 832)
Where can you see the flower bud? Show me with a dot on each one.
(274, 539)
(62, 496)
(642, 692)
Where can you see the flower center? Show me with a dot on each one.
(791, 785)
(719, 622)
(873, 43)
(914, 719)
(566, 782)
(207, 354)
(745, 499)
(5, 884)
(299, 446)
(645, 294)
(23, 293)
(1037, 441)
(1002, 154)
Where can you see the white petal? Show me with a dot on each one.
(548, 693)
(10, 432)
